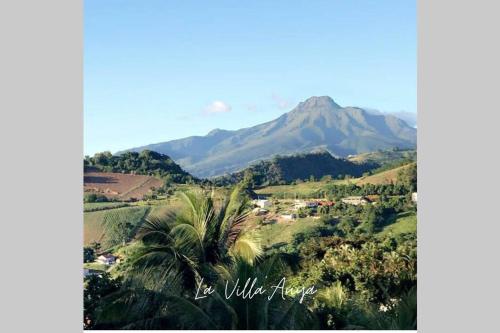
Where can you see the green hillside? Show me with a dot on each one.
(386, 158)
(286, 169)
(145, 163)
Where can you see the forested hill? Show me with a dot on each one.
(144, 163)
(285, 169)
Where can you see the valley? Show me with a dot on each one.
(339, 214)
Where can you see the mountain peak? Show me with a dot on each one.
(216, 131)
(319, 101)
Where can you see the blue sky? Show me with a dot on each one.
(161, 70)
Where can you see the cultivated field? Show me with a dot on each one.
(119, 220)
(95, 206)
(119, 186)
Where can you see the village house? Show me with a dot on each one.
(305, 204)
(262, 203)
(299, 204)
(106, 259)
(355, 200)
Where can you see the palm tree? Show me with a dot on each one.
(159, 310)
(187, 244)
(222, 312)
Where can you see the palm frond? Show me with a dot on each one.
(247, 247)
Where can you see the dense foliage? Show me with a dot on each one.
(145, 163)
(96, 288)
(88, 254)
(365, 275)
(359, 278)
(405, 184)
(387, 159)
(285, 169)
(94, 197)
(171, 255)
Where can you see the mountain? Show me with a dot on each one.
(409, 117)
(285, 169)
(315, 124)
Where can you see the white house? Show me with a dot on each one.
(299, 204)
(414, 197)
(263, 203)
(355, 200)
(303, 204)
(106, 259)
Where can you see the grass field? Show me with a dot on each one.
(384, 177)
(96, 206)
(121, 213)
(92, 226)
(305, 189)
(96, 266)
(283, 232)
(405, 223)
(94, 229)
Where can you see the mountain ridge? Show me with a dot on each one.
(316, 123)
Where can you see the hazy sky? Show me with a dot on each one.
(161, 70)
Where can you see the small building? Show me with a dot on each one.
(292, 216)
(355, 200)
(299, 204)
(311, 204)
(107, 259)
(414, 197)
(262, 203)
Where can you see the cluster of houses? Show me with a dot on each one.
(262, 205)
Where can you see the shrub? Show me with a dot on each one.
(94, 197)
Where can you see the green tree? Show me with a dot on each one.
(196, 238)
(88, 254)
(96, 287)
(96, 246)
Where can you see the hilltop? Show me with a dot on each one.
(145, 163)
(285, 169)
